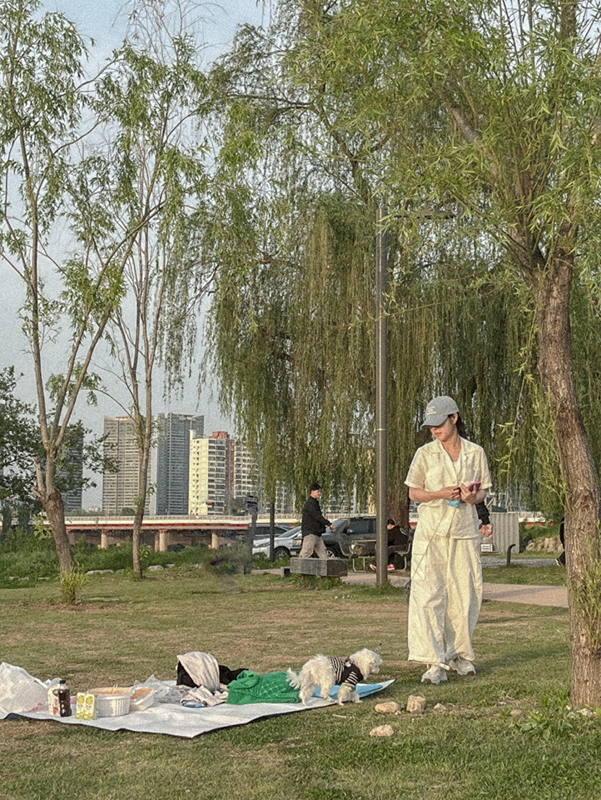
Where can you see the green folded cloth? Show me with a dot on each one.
(250, 687)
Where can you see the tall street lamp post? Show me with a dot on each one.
(381, 397)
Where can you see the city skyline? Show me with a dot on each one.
(191, 474)
(105, 24)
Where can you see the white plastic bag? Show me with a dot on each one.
(20, 691)
(165, 691)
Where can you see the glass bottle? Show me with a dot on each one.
(64, 699)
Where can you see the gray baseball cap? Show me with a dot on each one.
(438, 410)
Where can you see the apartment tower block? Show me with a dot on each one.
(173, 461)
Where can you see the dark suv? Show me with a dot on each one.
(349, 530)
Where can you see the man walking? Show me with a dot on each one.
(313, 525)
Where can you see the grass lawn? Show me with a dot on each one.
(551, 575)
(125, 630)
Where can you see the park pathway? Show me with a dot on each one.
(504, 592)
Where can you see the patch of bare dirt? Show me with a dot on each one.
(83, 607)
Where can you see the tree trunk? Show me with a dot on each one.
(136, 539)
(139, 515)
(55, 511)
(582, 534)
(398, 507)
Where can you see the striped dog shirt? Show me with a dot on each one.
(345, 671)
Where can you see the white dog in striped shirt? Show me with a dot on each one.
(328, 671)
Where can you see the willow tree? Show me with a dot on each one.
(56, 180)
(507, 101)
(489, 115)
(155, 98)
(293, 316)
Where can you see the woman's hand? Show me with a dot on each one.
(472, 497)
(423, 496)
(486, 530)
(449, 493)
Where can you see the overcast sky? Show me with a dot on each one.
(104, 21)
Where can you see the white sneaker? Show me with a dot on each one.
(435, 674)
(462, 666)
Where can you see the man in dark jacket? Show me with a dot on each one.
(313, 525)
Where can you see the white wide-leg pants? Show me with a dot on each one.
(445, 599)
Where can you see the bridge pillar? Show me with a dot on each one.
(217, 540)
(104, 540)
(163, 539)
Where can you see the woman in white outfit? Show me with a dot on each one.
(447, 477)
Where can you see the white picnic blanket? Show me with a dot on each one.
(176, 720)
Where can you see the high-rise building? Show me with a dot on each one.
(120, 489)
(70, 474)
(284, 500)
(211, 470)
(245, 478)
(173, 461)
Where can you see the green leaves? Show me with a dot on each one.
(477, 127)
(556, 718)
(19, 441)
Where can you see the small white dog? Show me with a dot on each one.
(327, 671)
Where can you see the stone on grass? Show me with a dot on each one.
(416, 704)
(439, 707)
(587, 712)
(388, 708)
(382, 730)
(156, 568)
(99, 571)
(516, 712)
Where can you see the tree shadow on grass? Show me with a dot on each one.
(552, 652)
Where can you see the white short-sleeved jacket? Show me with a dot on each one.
(431, 470)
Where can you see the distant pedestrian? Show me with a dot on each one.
(313, 525)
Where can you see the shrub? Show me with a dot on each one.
(88, 556)
(72, 582)
(556, 717)
(24, 556)
(19, 539)
(262, 562)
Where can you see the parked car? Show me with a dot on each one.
(286, 544)
(262, 530)
(337, 542)
(356, 536)
(349, 530)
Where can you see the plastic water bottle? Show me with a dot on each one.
(64, 699)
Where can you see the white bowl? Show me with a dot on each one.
(112, 702)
